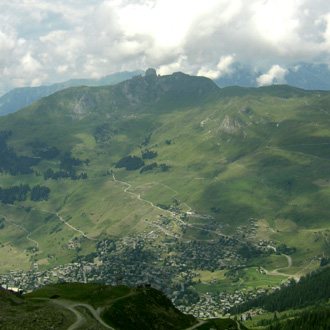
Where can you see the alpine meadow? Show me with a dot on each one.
(214, 196)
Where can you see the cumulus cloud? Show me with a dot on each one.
(222, 68)
(275, 74)
(47, 41)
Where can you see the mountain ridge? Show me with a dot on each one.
(302, 75)
(24, 96)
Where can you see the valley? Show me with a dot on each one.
(214, 196)
(187, 273)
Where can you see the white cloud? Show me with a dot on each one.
(222, 68)
(53, 40)
(225, 63)
(276, 74)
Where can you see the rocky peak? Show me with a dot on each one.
(151, 76)
(151, 73)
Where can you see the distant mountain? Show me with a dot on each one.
(19, 98)
(302, 75)
(309, 76)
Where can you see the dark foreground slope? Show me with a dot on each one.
(121, 307)
(16, 313)
(148, 309)
(125, 308)
(98, 307)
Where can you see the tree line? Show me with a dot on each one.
(20, 193)
(307, 320)
(311, 289)
(67, 169)
(10, 162)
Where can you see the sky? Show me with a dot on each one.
(48, 41)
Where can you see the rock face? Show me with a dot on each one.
(230, 125)
(151, 73)
(178, 87)
(84, 105)
(151, 77)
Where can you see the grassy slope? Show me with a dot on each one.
(259, 153)
(122, 307)
(17, 313)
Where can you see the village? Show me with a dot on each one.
(159, 257)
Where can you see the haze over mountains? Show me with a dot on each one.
(303, 75)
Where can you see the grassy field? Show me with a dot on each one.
(249, 279)
(94, 294)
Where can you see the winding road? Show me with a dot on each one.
(22, 228)
(80, 317)
(276, 271)
(163, 210)
(66, 223)
(201, 322)
(59, 217)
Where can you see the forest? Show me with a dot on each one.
(67, 170)
(312, 289)
(10, 162)
(130, 163)
(20, 193)
(307, 320)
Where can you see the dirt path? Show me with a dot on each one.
(289, 260)
(296, 152)
(67, 224)
(276, 272)
(301, 271)
(138, 196)
(22, 228)
(177, 218)
(59, 217)
(196, 325)
(80, 317)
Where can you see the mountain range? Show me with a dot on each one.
(302, 75)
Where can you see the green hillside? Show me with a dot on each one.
(245, 162)
(121, 307)
(303, 305)
(16, 313)
(22, 97)
(94, 306)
